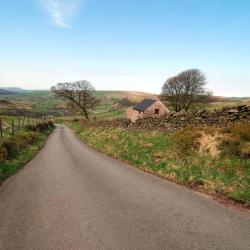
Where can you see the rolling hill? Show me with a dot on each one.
(44, 102)
(5, 92)
(15, 89)
(113, 103)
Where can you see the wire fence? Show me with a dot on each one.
(10, 125)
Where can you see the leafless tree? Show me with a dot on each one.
(186, 89)
(194, 83)
(80, 94)
(171, 93)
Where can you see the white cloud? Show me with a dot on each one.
(61, 11)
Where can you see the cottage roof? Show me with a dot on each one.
(142, 106)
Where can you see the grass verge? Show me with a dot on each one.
(23, 148)
(178, 158)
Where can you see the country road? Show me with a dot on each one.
(71, 197)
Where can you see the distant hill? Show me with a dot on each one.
(5, 92)
(45, 102)
(239, 98)
(134, 96)
(12, 108)
(15, 89)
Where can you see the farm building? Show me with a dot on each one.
(147, 108)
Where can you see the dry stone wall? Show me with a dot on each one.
(173, 121)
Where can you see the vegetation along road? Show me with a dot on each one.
(71, 197)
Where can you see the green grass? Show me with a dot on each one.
(153, 151)
(45, 102)
(23, 152)
(7, 123)
(109, 114)
(10, 167)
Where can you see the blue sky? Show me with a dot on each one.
(125, 45)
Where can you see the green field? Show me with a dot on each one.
(45, 103)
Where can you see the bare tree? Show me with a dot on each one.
(171, 92)
(186, 89)
(80, 94)
(194, 83)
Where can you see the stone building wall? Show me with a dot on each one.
(134, 115)
(150, 112)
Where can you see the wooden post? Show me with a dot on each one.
(23, 120)
(28, 120)
(12, 128)
(1, 128)
(19, 123)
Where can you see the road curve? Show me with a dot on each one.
(71, 197)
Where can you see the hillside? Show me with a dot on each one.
(10, 107)
(136, 95)
(113, 103)
(5, 92)
(15, 89)
(44, 102)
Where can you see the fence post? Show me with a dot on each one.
(1, 128)
(24, 121)
(19, 123)
(12, 128)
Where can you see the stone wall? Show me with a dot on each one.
(173, 121)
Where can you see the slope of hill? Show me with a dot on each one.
(15, 89)
(44, 102)
(11, 108)
(118, 95)
(5, 92)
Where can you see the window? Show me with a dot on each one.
(157, 111)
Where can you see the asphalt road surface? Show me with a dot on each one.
(71, 197)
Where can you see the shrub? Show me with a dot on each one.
(3, 153)
(241, 130)
(10, 146)
(186, 141)
(236, 140)
(40, 127)
(209, 143)
(245, 149)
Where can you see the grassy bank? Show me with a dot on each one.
(16, 151)
(214, 164)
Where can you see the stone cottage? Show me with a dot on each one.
(147, 108)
